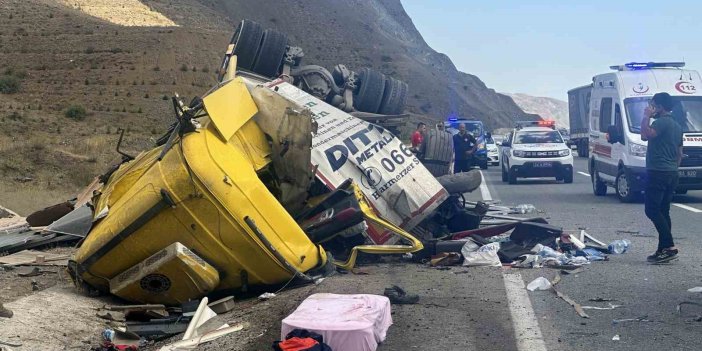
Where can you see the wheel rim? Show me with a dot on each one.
(622, 186)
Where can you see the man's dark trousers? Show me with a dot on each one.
(660, 187)
(462, 165)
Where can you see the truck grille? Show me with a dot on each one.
(540, 154)
(692, 157)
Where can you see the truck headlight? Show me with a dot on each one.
(518, 153)
(637, 149)
(563, 153)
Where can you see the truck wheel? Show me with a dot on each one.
(370, 91)
(438, 151)
(599, 188)
(246, 40)
(270, 54)
(583, 149)
(512, 177)
(623, 189)
(568, 177)
(394, 97)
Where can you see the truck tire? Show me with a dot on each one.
(394, 97)
(246, 39)
(599, 188)
(623, 189)
(460, 183)
(484, 165)
(583, 149)
(436, 152)
(370, 91)
(270, 54)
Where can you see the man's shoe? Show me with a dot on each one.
(663, 256)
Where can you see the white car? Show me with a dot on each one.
(493, 153)
(531, 152)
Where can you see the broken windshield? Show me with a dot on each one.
(687, 111)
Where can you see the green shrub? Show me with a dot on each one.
(9, 84)
(76, 112)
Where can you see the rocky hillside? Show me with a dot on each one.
(72, 72)
(547, 108)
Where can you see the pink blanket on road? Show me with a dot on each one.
(347, 322)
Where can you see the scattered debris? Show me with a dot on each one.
(601, 299)
(34, 258)
(301, 339)
(398, 296)
(223, 305)
(611, 307)
(556, 280)
(5, 312)
(639, 319)
(578, 309)
(616, 338)
(539, 283)
(572, 271)
(635, 233)
(111, 315)
(697, 289)
(114, 339)
(266, 296)
(190, 344)
(10, 344)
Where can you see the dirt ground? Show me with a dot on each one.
(13, 287)
(453, 312)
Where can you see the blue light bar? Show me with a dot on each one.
(632, 66)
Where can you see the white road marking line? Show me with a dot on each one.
(689, 208)
(526, 327)
(583, 173)
(484, 191)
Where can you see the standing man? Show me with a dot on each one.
(464, 145)
(418, 135)
(663, 157)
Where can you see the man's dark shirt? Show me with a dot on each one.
(463, 143)
(662, 151)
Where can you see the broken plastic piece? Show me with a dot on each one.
(524, 208)
(191, 344)
(202, 315)
(266, 296)
(539, 283)
(615, 338)
(697, 289)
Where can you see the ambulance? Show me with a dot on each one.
(615, 110)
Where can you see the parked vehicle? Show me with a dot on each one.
(536, 149)
(578, 112)
(493, 151)
(478, 130)
(616, 107)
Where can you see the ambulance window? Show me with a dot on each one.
(605, 114)
(618, 121)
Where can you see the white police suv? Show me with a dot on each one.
(536, 149)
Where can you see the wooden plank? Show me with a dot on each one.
(30, 257)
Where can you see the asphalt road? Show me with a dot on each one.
(642, 290)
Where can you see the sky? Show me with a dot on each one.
(545, 48)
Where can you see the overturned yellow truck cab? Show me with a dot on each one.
(209, 209)
(205, 192)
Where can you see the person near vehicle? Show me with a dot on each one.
(663, 156)
(418, 135)
(464, 146)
